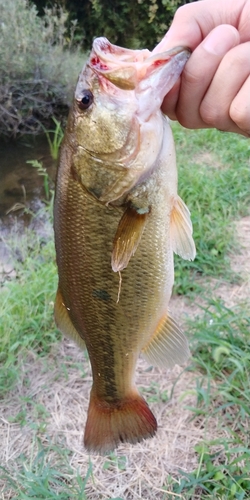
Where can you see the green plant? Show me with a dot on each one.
(46, 480)
(26, 315)
(43, 172)
(221, 350)
(38, 67)
(129, 23)
(214, 180)
(219, 474)
(154, 394)
(113, 462)
(57, 134)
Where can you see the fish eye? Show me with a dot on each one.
(86, 100)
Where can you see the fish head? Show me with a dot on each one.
(104, 107)
(116, 110)
(117, 85)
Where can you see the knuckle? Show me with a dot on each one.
(187, 120)
(241, 116)
(190, 77)
(210, 114)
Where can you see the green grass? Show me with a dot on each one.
(26, 314)
(42, 479)
(221, 353)
(54, 138)
(214, 179)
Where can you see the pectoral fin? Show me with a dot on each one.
(63, 321)
(128, 236)
(181, 230)
(168, 346)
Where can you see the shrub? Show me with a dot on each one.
(129, 23)
(37, 64)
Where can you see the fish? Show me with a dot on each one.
(118, 220)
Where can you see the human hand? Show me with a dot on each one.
(214, 88)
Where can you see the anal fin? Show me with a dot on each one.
(181, 230)
(63, 321)
(128, 236)
(168, 345)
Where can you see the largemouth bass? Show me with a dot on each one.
(118, 219)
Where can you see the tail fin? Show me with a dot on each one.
(108, 424)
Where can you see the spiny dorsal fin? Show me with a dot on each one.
(181, 230)
(128, 236)
(63, 321)
(168, 346)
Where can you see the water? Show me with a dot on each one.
(20, 184)
(22, 194)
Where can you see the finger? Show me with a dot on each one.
(226, 103)
(170, 101)
(240, 108)
(193, 22)
(198, 74)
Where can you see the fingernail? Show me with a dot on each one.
(221, 40)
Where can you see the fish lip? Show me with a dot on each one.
(101, 44)
(106, 58)
(103, 47)
(175, 51)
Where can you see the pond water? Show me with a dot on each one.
(22, 191)
(20, 183)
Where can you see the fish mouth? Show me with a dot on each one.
(117, 64)
(126, 68)
(109, 52)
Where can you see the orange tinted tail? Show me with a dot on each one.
(108, 424)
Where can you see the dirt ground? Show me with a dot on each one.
(52, 395)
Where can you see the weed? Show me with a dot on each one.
(154, 394)
(57, 134)
(26, 315)
(114, 461)
(219, 474)
(221, 350)
(54, 145)
(45, 479)
(43, 172)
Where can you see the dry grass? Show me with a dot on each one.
(231, 294)
(48, 408)
(59, 387)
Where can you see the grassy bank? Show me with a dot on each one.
(202, 446)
